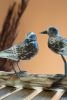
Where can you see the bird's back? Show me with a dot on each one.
(56, 44)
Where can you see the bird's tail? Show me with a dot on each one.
(9, 55)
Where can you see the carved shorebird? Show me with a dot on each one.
(57, 43)
(23, 51)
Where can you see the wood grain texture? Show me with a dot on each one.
(28, 80)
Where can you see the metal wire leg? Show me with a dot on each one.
(18, 67)
(14, 69)
(65, 63)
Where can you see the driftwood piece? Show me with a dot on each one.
(28, 80)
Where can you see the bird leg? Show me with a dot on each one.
(65, 63)
(18, 67)
(14, 69)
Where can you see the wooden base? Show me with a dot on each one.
(28, 80)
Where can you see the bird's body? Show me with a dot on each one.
(57, 43)
(20, 52)
(23, 51)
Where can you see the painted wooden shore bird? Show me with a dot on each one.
(57, 43)
(22, 51)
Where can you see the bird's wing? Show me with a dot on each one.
(63, 50)
(29, 50)
(14, 52)
(10, 53)
(56, 44)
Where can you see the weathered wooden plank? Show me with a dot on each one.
(5, 90)
(33, 94)
(9, 93)
(44, 95)
(19, 95)
(58, 94)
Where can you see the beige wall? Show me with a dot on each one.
(39, 15)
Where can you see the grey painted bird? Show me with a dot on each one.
(57, 43)
(22, 51)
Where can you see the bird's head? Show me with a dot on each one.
(31, 36)
(51, 31)
(31, 42)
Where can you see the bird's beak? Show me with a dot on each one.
(43, 32)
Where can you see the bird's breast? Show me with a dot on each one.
(29, 50)
(55, 45)
(32, 47)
